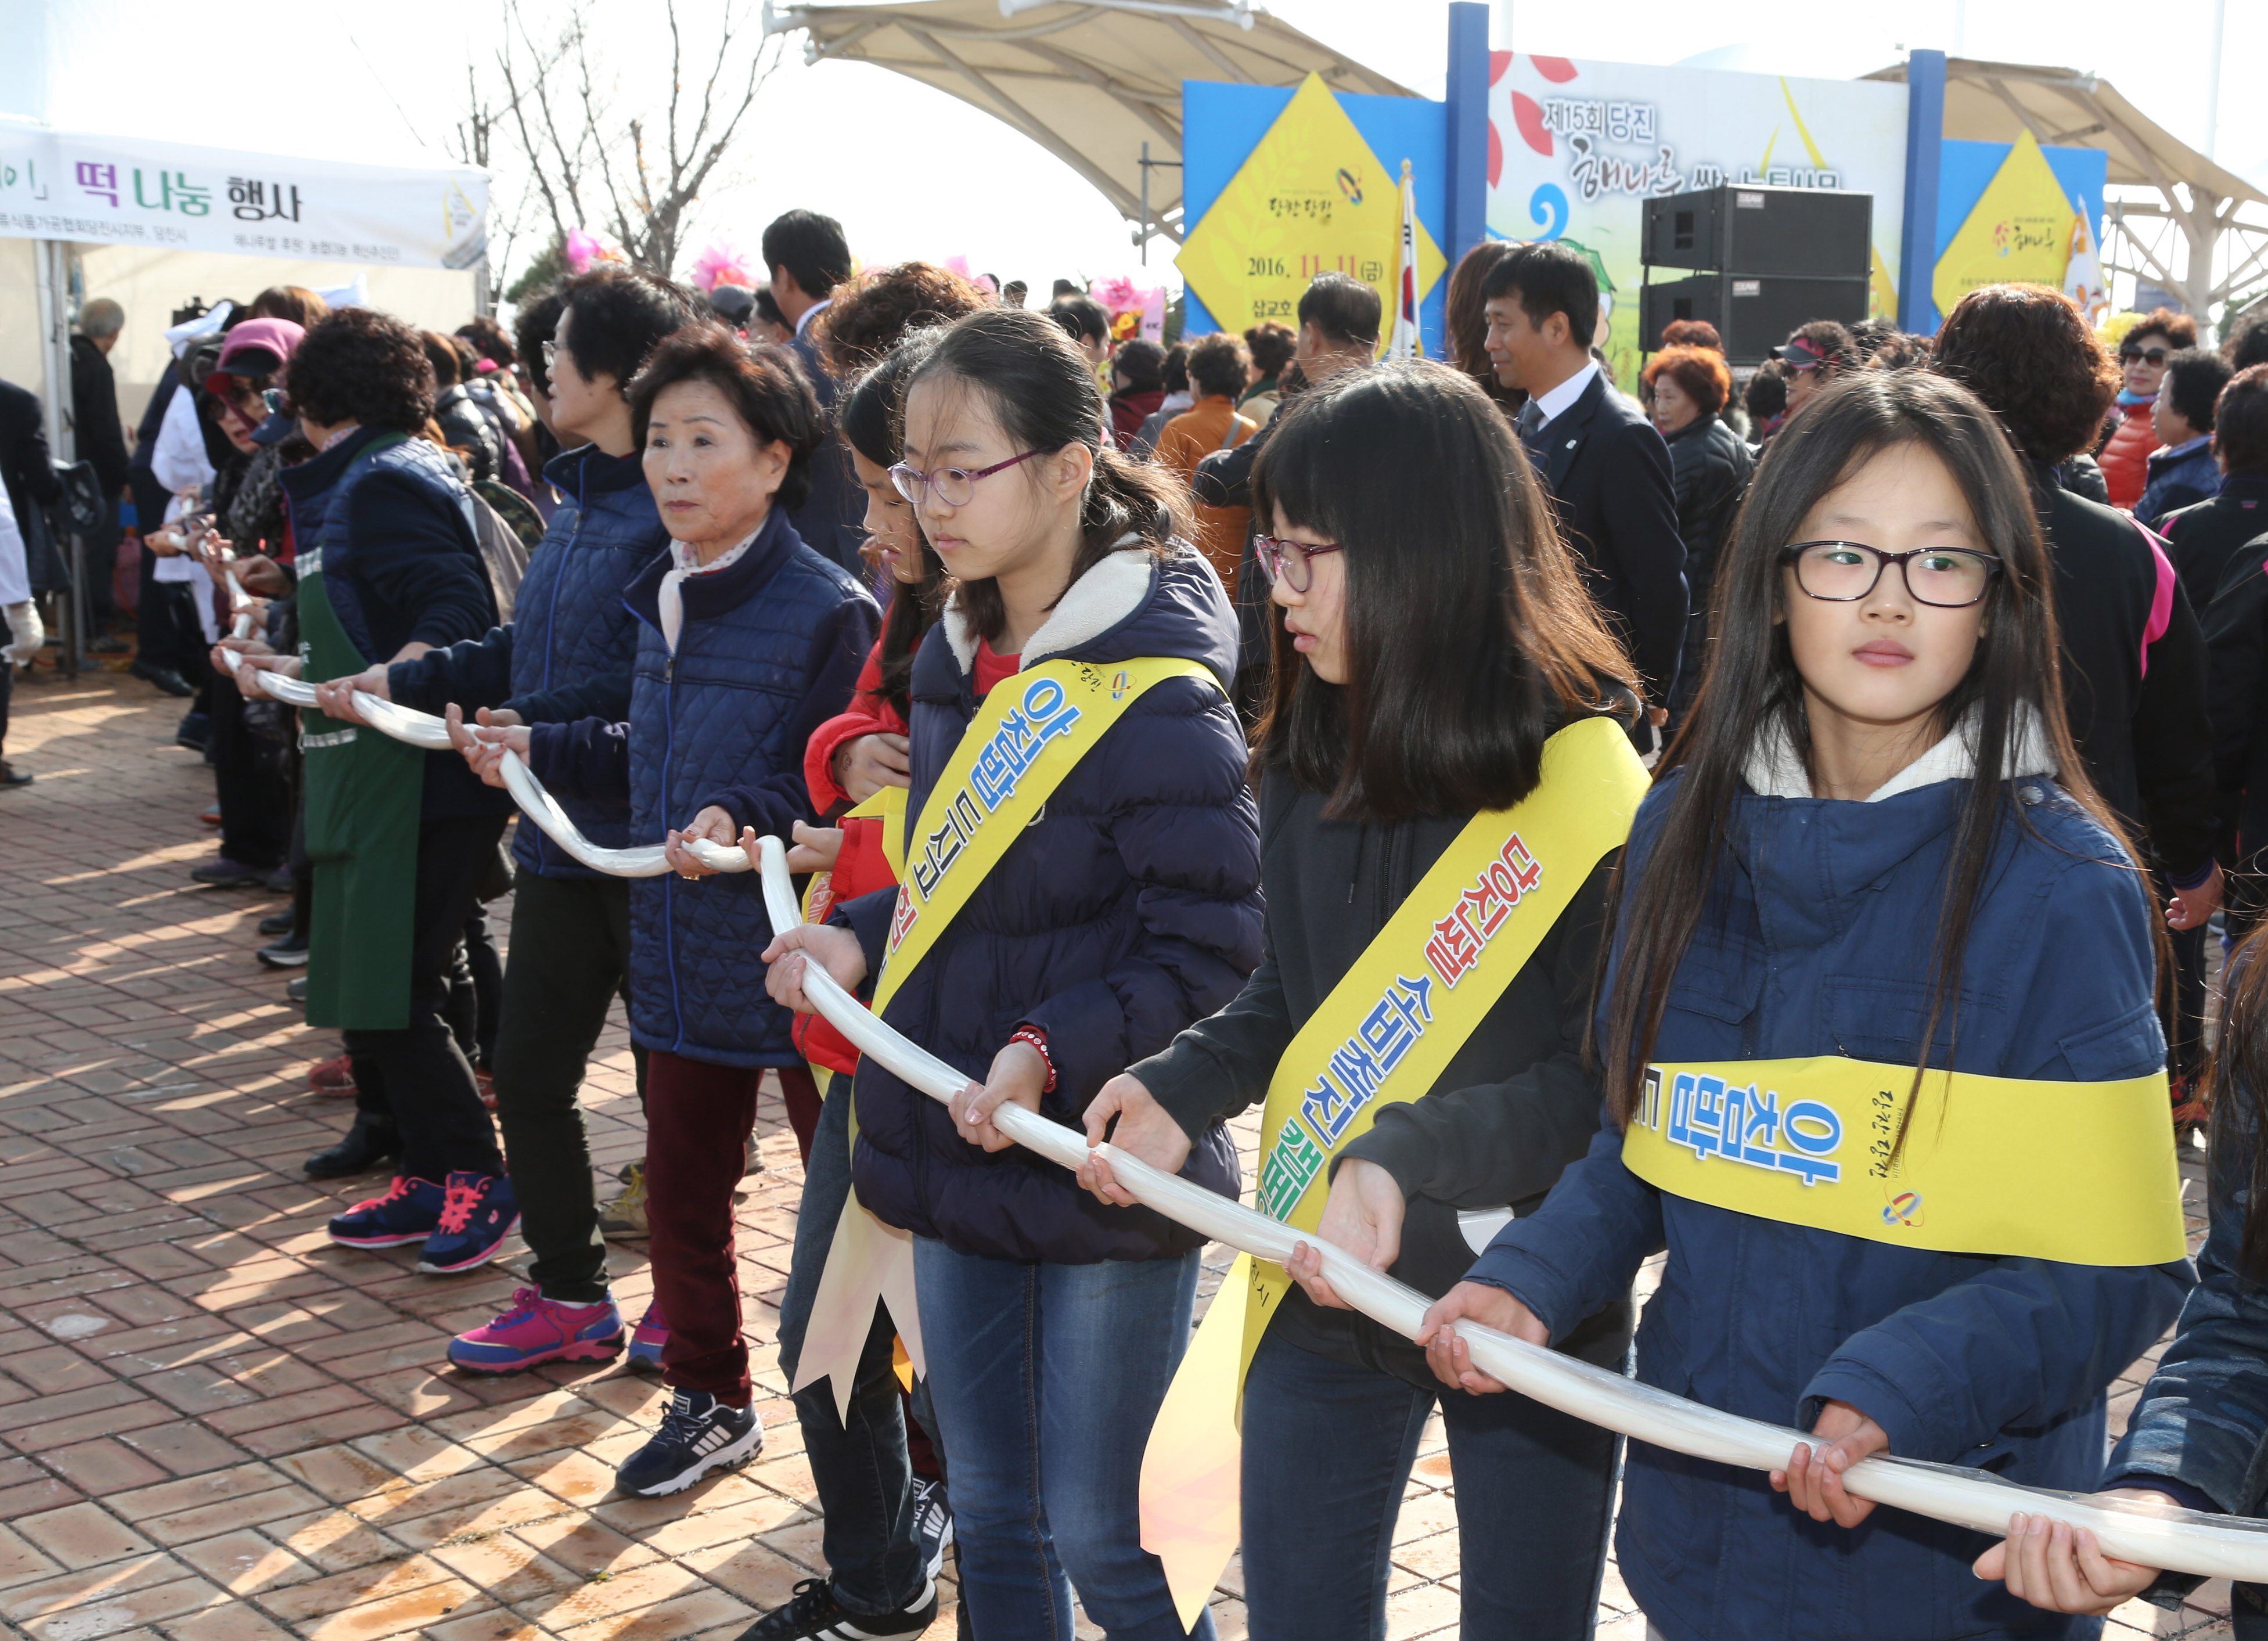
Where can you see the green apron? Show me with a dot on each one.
(363, 795)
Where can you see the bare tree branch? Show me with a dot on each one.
(639, 172)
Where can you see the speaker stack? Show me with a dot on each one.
(1771, 258)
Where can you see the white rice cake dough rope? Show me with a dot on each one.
(2182, 1541)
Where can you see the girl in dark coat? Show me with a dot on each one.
(1876, 849)
(1126, 909)
(1434, 632)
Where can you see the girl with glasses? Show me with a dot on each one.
(1873, 857)
(1065, 911)
(1433, 639)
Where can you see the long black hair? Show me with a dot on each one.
(1752, 684)
(871, 413)
(2237, 1085)
(1469, 635)
(1045, 397)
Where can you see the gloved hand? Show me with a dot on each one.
(24, 624)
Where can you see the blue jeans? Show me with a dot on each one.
(1328, 1449)
(859, 1468)
(1045, 1380)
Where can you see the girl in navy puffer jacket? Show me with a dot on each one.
(1825, 876)
(1127, 909)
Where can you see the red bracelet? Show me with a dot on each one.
(1038, 1039)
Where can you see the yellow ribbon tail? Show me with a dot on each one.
(1192, 1467)
(867, 1262)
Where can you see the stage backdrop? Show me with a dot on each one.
(1575, 146)
(1282, 185)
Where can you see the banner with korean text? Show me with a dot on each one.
(107, 190)
(1576, 147)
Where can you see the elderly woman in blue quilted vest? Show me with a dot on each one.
(747, 641)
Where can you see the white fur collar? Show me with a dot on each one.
(1774, 770)
(1095, 603)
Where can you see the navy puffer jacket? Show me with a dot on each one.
(769, 649)
(567, 654)
(1821, 942)
(1128, 910)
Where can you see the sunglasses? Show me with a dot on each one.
(2155, 356)
(1287, 561)
(955, 487)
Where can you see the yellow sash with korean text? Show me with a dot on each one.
(1029, 732)
(2085, 1174)
(1384, 1035)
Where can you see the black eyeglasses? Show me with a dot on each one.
(1844, 572)
(1287, 561)
(2155, 356)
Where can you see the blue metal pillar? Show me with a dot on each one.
(1468, 115)
(1925, 140)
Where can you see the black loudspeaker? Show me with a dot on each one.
(1752, 313)
(1808, 231)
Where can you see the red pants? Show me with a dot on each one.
(698, 1117)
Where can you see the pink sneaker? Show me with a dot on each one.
(536, 1330)
(651, 1333)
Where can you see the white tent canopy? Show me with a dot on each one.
(1091, 83)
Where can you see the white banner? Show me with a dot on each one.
(1576, 147)
(109, 190)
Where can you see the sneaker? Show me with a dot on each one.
(289, 953)
(210, 817)
(648, 1337)
(484, 1085)
(478, 1214)
(332, 1076)
(408, 1212)
(229, 874)
(933, 1522)
(536, 1330)
(625, 1216)
(296, 991)
(698, 1435)
(815, 1612)
(276, 924)
(279, 881)
(10, 776)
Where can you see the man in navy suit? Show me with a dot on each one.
(1604, 466)
(808, 257)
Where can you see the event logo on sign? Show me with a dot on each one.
(1311, 198)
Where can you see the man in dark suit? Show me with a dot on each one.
(809, 257)
(1604, 466)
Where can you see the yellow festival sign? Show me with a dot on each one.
(2020, 231)
(1311, 198)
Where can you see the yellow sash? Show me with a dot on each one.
(2081, 1172)
(1385, 1034)
(1030, 732)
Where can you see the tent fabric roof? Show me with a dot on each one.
(1993, 102)
(1089, 82)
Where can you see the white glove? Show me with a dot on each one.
(29, 631)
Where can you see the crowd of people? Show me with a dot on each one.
(1935, 670)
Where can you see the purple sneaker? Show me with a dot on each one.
(408, 1212)
(536, 1330)
(479, 1214)
(647, 1339)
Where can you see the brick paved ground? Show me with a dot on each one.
(219, 1427)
